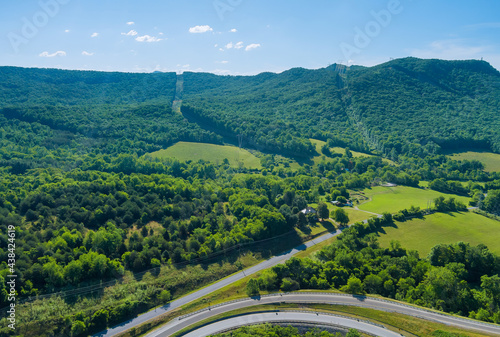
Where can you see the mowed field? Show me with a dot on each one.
(423, 234)
(490, 160)
(209, 152)
(394, 199)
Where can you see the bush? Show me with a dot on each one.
(164, 296)
(252, 288)
(354, 286)
(99, 319)
(78, 328)
(289, 285)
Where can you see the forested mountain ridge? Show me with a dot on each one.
(450, 104)
(87, 111)
(274, 112)
(35, 86)
(405, 106)
(409, 105)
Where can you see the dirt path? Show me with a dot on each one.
(179, 88)
(357, 209)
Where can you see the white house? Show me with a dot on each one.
(308, 210)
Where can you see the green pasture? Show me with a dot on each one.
(393, 199)
(209, 152)
(490, 160)
(423, 234)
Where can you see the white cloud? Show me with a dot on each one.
(57, 53)
(130, 33)
(94, 35)
(220, 72)
(86, 53)
(239, 45)
(252, 46)
(484, 25)
(147, 38)
(66, 31)
(229, 45)
(130, 23)
(222, 62)
(454, 49)
(200, 29)
(459, 49)
(234, 30)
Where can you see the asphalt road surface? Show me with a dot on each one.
(325, 298)
(283, 317)
(213, 287)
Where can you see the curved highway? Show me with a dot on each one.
(282, 317)
(213, 287)
(325, 298)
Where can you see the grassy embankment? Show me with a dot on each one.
(407, 325)
(403, 324)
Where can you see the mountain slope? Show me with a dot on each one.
(453, 104)
(408, 105)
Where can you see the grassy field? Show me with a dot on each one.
(341, 150)
(209, 152)
(490, 160)
(393, 199)
(423, 234)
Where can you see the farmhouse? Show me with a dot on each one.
(308, 210)
(338, 203)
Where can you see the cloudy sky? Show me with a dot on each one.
(242, 36)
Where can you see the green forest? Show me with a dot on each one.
(90, 206)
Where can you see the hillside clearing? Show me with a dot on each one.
(340, 150)
(209, 152)
(490, 160)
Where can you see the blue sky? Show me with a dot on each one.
(242, 36)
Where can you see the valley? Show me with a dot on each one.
(135, 192)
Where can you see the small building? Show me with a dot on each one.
(336, 203)
(308, 210)
(389, 185)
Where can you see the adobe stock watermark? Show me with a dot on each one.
(224, 6)
(31, 26)
(11, 276)
(372, 29)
